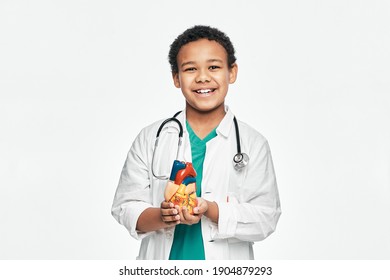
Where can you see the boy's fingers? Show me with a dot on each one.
(170, 218)
(169, 212)
(167, 205)
(202, 206)
(181, 215)
(191, 219)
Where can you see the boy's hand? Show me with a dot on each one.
(169, 214)
(188, 219)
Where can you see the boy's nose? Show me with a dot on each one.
(202, 77)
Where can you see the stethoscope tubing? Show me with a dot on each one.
(237, 135)
(240, 160)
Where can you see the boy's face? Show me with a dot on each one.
(204, 75)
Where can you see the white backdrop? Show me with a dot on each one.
(79, 79)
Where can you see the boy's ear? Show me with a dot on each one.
(176, 81)
(233, 73)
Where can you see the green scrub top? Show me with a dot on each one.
(188, 241)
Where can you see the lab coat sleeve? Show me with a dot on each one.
(253, 212)
(132, 196)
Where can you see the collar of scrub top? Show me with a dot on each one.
(240, 159)
(223, 128)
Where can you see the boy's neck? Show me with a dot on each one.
(202, 123)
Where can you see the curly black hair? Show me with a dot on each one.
(200, 32)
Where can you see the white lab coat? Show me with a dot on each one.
(248, 200)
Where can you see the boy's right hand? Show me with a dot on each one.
(169, 214)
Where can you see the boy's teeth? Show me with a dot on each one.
(203, 91)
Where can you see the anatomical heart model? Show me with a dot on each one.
(181, 186)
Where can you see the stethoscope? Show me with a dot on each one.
(240, 160)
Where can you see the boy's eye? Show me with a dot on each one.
(213, 67)
(190, 69)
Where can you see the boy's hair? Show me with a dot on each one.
(200, 32)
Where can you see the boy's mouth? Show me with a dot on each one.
(205, 91)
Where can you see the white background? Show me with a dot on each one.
(79, 79)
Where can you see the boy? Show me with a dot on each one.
(235, 206)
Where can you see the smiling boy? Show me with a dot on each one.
(235, 207)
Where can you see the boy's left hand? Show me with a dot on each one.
(188, 219)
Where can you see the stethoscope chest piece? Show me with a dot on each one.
(240, 160)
